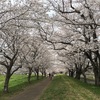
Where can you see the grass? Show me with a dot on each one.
(66, 88)
(17, 83)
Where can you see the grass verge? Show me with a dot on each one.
(66, 88)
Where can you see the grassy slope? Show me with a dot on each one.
(17, 83)
(65, 88)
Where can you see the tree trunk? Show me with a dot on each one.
(78, 75)
(97, 77)
(42, 74)
(37, 72)
(29, 75)
(96, 66)
(6, 84)
(78, 71)
(37, 75)
(71, 72)
(97, 80)
(45, 73)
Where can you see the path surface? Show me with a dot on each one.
(32, 92)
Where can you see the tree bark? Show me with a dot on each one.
(42, 74)
(78, 71)
(6, 84)
(95, 66)
(29, 74)
(71, 72)
(37, 75)
(78, 75)
(97, 77)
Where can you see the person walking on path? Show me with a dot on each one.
(50, 76)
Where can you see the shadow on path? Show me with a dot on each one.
(32, 92)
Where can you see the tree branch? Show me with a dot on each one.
(16, 69)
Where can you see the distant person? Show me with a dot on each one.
(50, 76)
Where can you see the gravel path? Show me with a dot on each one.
(32, 92)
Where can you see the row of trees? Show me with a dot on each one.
(73, 27)
(78, 32)
(20, 43)
(29, 28)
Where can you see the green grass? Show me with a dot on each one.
(17, 83)
(1, 82)
(66, 88)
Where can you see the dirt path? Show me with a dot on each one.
(32, 92)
